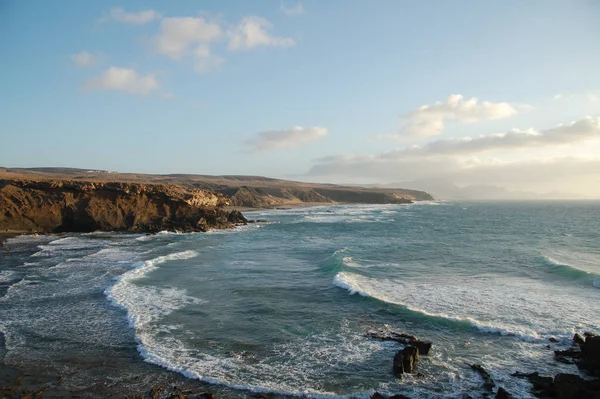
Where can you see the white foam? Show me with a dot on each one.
(299, 362)
(502, 305)
(8, 275)
(145, 304)
(585, 263)
(349, 261)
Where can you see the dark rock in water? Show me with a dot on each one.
(524, 375)
(578, 339)
(567, 356)
(386, 335)
(258, 221)
(591, 347)
(568, 386)
(155, 392)
(571, 386)
(552, 339)
(488, 382)
(585, 353)
(562, 386)
(404, 361)
(542, 386)
(377, 395)
(574, 353)
(503, 394)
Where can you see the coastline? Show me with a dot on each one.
(32, 378)
(285, 206)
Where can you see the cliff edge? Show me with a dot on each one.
(53, 206)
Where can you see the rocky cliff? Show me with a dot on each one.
(83, 206)
(243, 191)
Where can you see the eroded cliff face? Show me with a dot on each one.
(45, 206)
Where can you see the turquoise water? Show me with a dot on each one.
(284, 306)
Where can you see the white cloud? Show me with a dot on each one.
(134, 18)
(253, 32)
(178, 34)
(462, 171)
(123, 79)
(85, 58)
(581, 130)
(462, 160)
(593, 98)
(285, 139)
(298, 9)
(429, 120)
(557, 96)
(205, 60)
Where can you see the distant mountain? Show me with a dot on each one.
(450, 191)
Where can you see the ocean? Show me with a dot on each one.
(284, 306)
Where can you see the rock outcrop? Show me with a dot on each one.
(585, 352)
(488, 382)
(53, 206)
(405, 360)
(244, 191)
(388, 335)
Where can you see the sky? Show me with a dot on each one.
(343, 91)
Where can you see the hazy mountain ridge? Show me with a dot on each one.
(451, 191)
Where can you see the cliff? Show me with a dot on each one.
(45, 206)
(243, 191)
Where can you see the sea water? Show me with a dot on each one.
(285, 306)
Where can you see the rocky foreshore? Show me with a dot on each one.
(56, 206)
(585, 353)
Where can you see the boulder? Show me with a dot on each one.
(404, 361)
(488, 382)
(377, 395)
(568, 386)
(502, 394)
(387, 335)
(584, 352)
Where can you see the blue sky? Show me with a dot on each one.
(311, 90)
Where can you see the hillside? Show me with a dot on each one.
(243, 191)
(54, 206)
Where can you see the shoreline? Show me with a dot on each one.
(137, 377)
(285, 206)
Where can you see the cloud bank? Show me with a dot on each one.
(458, 160)
(285, 139)
(429, 120)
